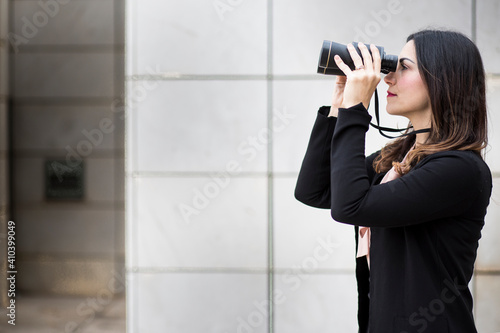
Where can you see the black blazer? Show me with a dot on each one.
(425, 225)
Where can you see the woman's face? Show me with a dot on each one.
(407, 95)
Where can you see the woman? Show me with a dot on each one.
(418, 205)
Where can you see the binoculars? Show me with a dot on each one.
(327, 65)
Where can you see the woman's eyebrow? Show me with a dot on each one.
(402, 59)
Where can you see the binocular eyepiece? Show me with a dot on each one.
(327, 65)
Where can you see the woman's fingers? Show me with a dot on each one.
(340, 64)
(367, 58)
(356, 58)
(377, 62)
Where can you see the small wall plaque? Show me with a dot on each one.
(63, 180)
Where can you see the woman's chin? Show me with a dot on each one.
(391, 111)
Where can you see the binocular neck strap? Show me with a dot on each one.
(382, 129)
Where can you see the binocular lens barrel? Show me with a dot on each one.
(327, 65)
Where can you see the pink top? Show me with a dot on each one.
(364, 232)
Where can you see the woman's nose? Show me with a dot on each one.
(389, 78)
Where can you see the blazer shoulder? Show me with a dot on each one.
(466, 162)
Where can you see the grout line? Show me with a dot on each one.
(197, 270)
(235, 270)
(270, 101)
(193, 174)
(174, 76)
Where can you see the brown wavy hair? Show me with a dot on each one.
(451, 67)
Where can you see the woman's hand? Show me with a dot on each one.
(359, 84)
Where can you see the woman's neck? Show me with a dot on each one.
(419, 123)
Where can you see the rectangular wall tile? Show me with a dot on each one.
(487, 27)
(63, 75)
(315, 303)
(489, 247)
(199, 126)
(64, 22)
(200, 222)
(487, 303)
(307, 237)
(199, 302)
(493, 104)
(193, 37)
(300, 27)
(295, 108)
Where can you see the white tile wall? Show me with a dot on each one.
(487, 258)
(295, 107)
(487, 31)
(193, 303)
(493, 100)
(190, 37)
(300, 27)
(308, 237)
(227, 227)
(200, 126)
(67, 75)
(315, 303)
(64, 22)
(64, 128)
(487, 303)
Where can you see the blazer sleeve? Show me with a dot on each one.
(313, 183)
(441, 185)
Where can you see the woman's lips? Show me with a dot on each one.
(389, 94)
